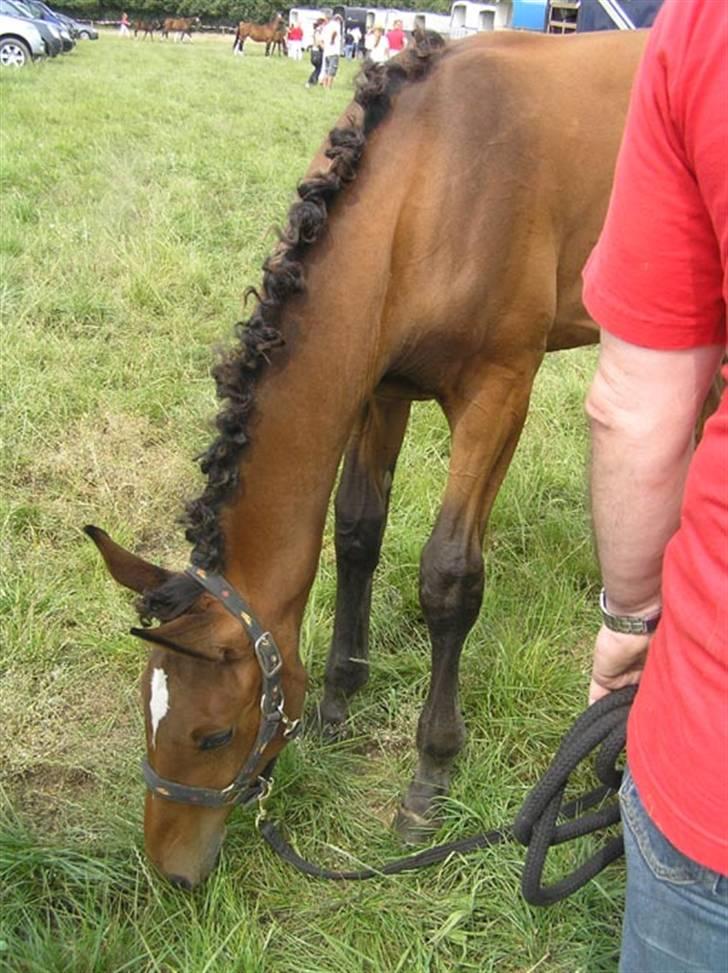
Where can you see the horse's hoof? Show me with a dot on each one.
(334, 731)
(326, 728)
(412, 828)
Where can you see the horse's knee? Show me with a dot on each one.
(358, 540)
(451, 586)
(361, 510)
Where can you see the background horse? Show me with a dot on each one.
(147, 28)
(262, 33)
(279, 41)
(454, 291)
(181, 26)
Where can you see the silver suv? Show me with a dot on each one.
(19, 42)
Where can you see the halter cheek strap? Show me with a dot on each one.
(246, 787)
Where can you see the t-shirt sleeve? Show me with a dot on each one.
(655, 277)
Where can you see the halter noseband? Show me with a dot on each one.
(246, 787)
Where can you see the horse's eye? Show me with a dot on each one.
(216, 740)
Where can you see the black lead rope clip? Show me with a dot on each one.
(602, 726)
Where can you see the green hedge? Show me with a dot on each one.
(213, 11)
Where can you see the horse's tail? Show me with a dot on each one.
(237, 374)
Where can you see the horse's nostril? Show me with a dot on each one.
(181, 882)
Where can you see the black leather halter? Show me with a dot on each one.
(246, 787)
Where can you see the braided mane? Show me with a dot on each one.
(237, 374)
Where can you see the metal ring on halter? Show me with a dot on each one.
(266, 788)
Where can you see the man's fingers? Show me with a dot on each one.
(596, 691)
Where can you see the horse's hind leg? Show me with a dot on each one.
(361, 505)
(486, 419)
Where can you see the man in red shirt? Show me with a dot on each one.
(396, 39)
(657, 284)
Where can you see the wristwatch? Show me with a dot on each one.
(627, 624)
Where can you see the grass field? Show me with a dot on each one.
(140, 183)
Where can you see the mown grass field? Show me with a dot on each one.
(140, 183)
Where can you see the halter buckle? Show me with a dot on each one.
(261, 646)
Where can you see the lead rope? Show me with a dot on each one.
(602, 726)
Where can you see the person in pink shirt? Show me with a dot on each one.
(396, 39)
(294, 41)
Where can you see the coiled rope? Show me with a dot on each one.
(602, 727)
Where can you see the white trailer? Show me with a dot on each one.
(440, 23)
(376, 17)
(411, 20)
(305, 17)
(471, 18)
(406, 16)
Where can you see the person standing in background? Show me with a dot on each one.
(396, 39)
(356, 38)
(379, 49)
(294, 41)
(332, 37)
(317, 53)
(124, 25)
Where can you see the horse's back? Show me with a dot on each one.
(488, 180)
(177, 23)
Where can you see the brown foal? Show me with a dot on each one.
(434, 252)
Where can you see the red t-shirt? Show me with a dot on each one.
(395, 39)
(659, 278)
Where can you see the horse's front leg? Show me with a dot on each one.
(361, 507)
(486, 418)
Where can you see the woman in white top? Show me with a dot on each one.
(379, 51)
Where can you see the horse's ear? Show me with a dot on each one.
(126, 568)
(212, 634)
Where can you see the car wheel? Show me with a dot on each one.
(13, 52)
(84, 35)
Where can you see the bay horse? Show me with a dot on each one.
(181, 26)
(278, 41)
(147, 28)
(495, 157)
(262, 33)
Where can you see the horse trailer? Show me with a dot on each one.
(367, 18)
(305, 18)
(440, 23)
(468, 18)
(553, 16)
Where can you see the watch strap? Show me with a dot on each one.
(627, 624)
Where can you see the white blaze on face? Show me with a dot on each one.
(158, 701)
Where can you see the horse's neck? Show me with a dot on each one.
(304, 410)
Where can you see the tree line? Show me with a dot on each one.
(213, 11)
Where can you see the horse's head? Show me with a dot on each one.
(210, 731)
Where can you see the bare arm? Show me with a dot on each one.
(642, 406)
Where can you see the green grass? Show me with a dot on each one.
(139, 186)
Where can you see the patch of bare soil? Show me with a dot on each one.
(69, 739)
(113, 466)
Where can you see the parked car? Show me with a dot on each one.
(86, 31)
(49, 32)
(42, 12)
(20, 42)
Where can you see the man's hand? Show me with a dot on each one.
(618, 661)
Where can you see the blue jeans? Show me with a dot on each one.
(676, 913)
